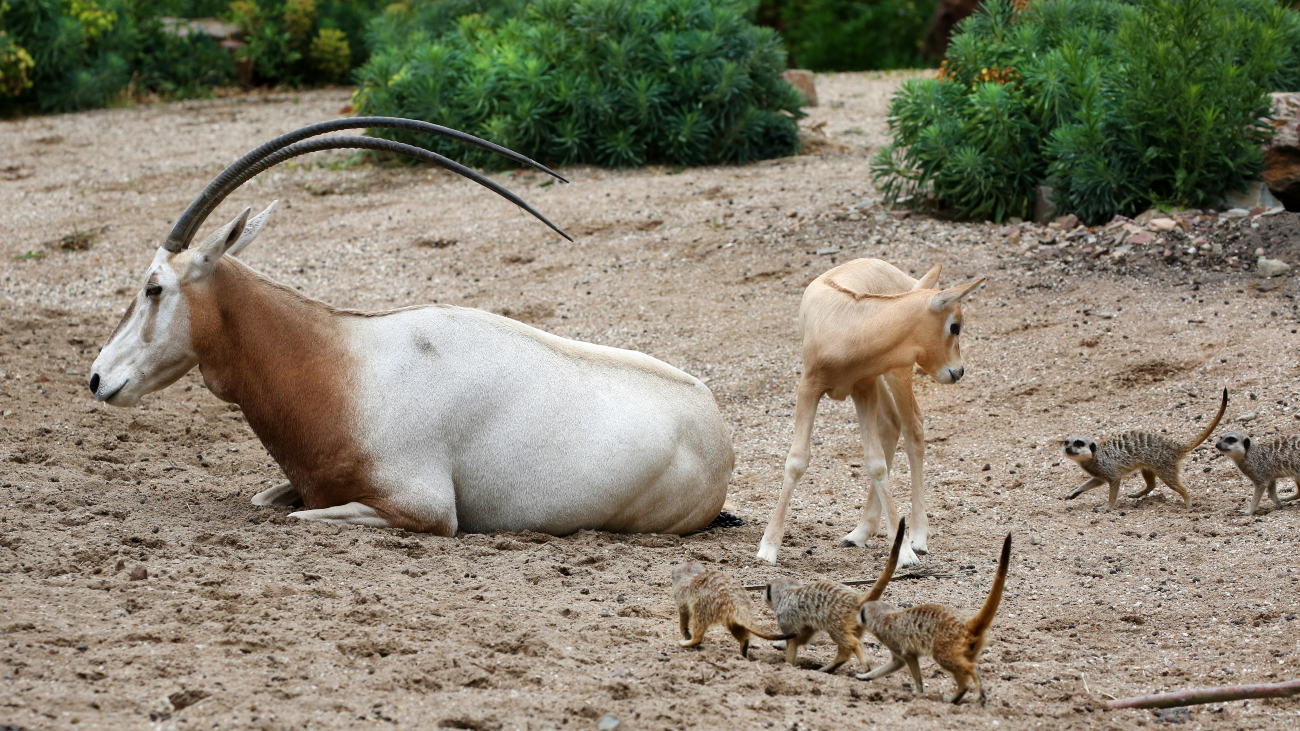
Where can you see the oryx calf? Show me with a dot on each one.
(433, 418)
(864, 325)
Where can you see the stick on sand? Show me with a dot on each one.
(1209, 695)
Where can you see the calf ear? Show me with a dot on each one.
(251, 230)
(929, 280)
(208, 253)
(949, 297)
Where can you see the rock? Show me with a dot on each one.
(1036, 539)
(1233, 214)
(1163, 224)
(1256, 195)
(826, 252)
(900, 215)
(1145, 217)
(609, 722)
(802, 81)
(1245, 418)
(1013, 239)
(1044, 208)
(1282, 152)
(1141, 238)
(1068, 222)
(1173, 715)
(139, 573)
(1272, 267)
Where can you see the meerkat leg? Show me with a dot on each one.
(860, 655)
(697, 630)
(1150, 478)
(842, 655)
(895, 664)
(792, 646)
(960, 669)
(742, 636)
(1091, 484)
(1272, 493)
(914, 665)
(796, 463)
(979, 685)
(684, 616)
(1260, 487)
(1171, 478)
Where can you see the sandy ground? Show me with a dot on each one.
(249, 619)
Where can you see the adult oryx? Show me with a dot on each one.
(432, 418)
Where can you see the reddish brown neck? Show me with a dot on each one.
(284, 359)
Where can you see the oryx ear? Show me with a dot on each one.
(251, 230)
(952, 296)
(929, 280)
(208, 253)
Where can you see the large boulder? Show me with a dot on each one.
(1282, 153)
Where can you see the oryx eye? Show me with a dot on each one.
(152, 289)
(955, 328)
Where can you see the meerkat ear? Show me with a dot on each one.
(1245, 443)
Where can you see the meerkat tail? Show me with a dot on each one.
(1223, 406)
(878, 588)
(984, 619)
(767, 635)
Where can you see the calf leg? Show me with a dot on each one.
(796, 463)
(866, 399)
(913, 430)
(347, 514)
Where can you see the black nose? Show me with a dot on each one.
(957, 373)
(94, 383)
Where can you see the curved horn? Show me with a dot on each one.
(233, 176)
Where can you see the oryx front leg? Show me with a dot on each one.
(346, 514)
(796, 464)
(283, 495)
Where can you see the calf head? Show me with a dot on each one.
(937, 335)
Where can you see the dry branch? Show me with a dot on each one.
(1209, 695)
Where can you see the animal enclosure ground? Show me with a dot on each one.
(249, 619)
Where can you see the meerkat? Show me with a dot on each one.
(706, 597)
(803, 610)
(1264, 463)
(1133, 451)
(937, 631)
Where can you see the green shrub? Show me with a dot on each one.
(843, 35)
(609, 82)
(85, 53)
(1120, 106)
(295, 42)
(331, 54)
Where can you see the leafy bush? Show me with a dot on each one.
(843, 35)
(1120, 105)
(74, 54)
(610, 82)
(292, 42)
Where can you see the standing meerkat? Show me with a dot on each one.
(803, 610)
(706, 597)
(1264, 463)
(1122, 455)
(936, 631)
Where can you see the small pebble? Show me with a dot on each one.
(1036, 539)
(139, 573)
(1246, 417)
(986, 468)
(609, 723)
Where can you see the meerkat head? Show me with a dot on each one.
(1234, 444)
(778, 586)
(686, 571)
(1080, 448)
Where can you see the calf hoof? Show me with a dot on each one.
(907, 557)
(767, 551)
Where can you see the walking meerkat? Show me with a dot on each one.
(1122, 455)
(1264, 463)
(706, 597)
(803, 610)
(936, 631)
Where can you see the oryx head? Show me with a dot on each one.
(152, 347)
(939, 334)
